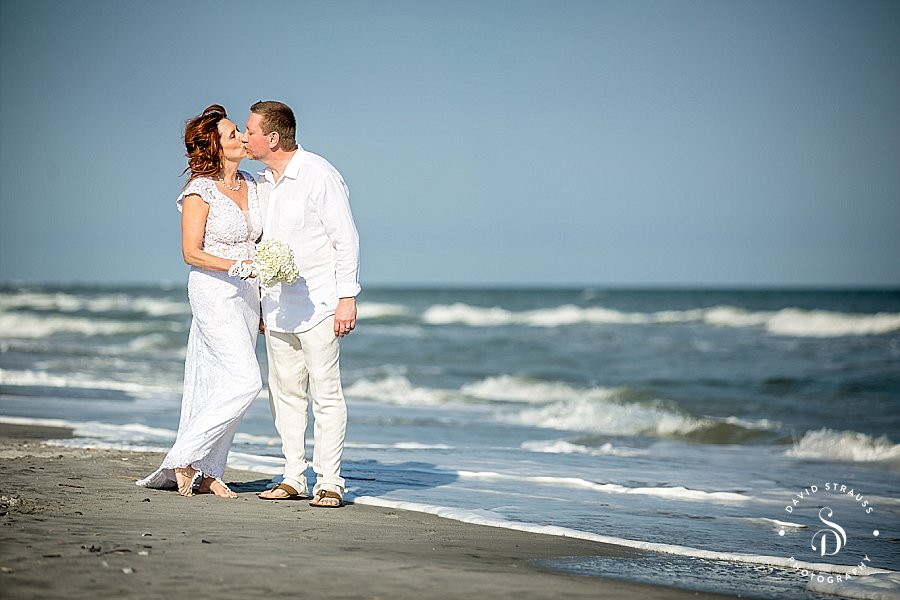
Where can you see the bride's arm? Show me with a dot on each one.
(193, 227)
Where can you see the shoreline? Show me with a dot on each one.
(74, 525)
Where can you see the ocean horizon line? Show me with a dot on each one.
(502, 286)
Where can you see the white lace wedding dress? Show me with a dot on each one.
(221, 372)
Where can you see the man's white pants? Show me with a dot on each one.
(303, 365)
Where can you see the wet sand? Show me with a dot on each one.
(74, 525)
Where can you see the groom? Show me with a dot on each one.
(305, 203)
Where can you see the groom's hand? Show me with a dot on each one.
(345, 317)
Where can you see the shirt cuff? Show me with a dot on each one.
(348, 290)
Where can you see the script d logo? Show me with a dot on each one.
(835, 531)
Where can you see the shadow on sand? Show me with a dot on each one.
(371, 478)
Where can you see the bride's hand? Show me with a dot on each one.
(244, 269)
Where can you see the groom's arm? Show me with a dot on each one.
(334, 210)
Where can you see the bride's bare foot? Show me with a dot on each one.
(184, 477)
(210, 485)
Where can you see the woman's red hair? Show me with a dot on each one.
(201, 140)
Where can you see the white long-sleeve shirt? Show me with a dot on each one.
(309, 209)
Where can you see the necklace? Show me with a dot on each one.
(233, 189)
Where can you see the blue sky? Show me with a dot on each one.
(486, 142)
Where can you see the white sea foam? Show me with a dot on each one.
(758, 424)
(845, 446)
(608, 418)
(77, 380)
(37, 422)
(398, 446)
(15, 325)
(73, 380)
(494, 520)
(131, 432)
(98, 444)
(730, 316)
(518, 389)
(154, 341)
(553, 405)
(571, 315)
(566, 447)
(132, 437)
(441, 314)
(64, 302)
(820, 323)
(775, 524)
(398, 390)
(804, 323)
(673, 493)
(568, 314)
(380, 310)
(877, 586)
(155, 307)
(785, 322)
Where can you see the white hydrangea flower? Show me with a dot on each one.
(275, 263)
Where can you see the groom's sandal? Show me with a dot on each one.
(327, 499)
(292, 494)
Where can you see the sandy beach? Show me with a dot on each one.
(74, 525)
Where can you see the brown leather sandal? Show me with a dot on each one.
(292, 494)
(322, 495)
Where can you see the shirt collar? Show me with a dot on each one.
(291, 171)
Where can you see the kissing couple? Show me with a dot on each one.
(300, 200)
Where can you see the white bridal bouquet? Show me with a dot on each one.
(275, 263)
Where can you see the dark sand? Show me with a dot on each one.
(74, 525)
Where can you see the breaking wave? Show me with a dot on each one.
(397, 389)
(380, 310)
(845, 446)
(26, 378)
(560, 406)
(784, 322)
(609, 417)
(17, 325)
(517, 389)
(566, 447)
(68, 303)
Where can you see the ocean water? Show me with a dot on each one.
(737, 441)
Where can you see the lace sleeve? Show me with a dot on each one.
(201, 186)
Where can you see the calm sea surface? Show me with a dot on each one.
(710, 430)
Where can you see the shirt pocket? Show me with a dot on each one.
(292, 215)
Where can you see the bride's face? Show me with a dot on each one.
(230, 138)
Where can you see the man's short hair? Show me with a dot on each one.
(277, 117)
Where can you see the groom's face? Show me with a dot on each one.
(255, 141)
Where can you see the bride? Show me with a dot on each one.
(220, 221)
